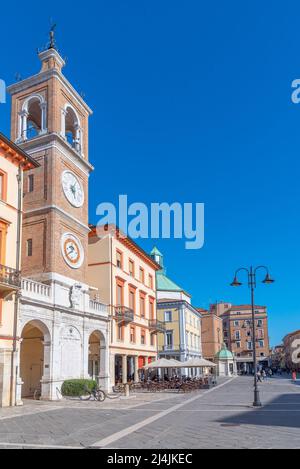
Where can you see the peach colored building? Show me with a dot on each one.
(124, 276)
(13, 162)
(211, 333)
(237, 332)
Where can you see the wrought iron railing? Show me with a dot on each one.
(157, 325)
(9, 276)
(124, 314)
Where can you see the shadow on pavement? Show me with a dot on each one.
(283, 411)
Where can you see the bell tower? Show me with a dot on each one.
(49, 120)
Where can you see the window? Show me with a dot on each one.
(151, 308)
(132, 299)
(225, 334)
(261, 344)
(168, 316)
(152, 339)
(143, 337)
(236, 323)
(3, 185)
(132, 334)
(150, 281)
(169, 340)
(142, 275)
(237, 335)
(260, 333)
(30, 183)
(29, 247)
(119, 332)
(249, 346)
(259, 323)
(119, 259)
(131, 268)
(119, 294)
(142, 306)
(238, 344)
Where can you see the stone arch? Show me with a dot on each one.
(32, 120)
(71, 128)
(35, 358)
(97, 357)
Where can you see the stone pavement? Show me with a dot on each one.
(218, 418)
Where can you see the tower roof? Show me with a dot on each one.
(224, 354)
(156, 252)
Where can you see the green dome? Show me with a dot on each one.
(224, 354)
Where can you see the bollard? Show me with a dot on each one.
(126, 390)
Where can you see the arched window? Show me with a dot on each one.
(32, 120)
(70, 128)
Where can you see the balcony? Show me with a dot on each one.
(10, 280)
(98, 308)
(123, 314)
(157, 326)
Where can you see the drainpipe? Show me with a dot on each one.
(14, 373)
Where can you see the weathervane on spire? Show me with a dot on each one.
(51, 35)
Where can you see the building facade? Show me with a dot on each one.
(59, 326)
(237, 332)
(182, 337)
(13, 162)
(124, 276)
(211, 333)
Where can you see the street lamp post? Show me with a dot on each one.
(251, 273)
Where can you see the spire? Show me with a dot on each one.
(157, 256)
(52, 44)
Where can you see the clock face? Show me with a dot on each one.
(72, 188)
(72, 250)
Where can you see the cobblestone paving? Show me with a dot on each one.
(222, 418)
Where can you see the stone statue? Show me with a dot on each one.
(75, 295)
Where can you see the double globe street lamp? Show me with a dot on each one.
(251, 273)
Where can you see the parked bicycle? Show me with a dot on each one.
(95, 394)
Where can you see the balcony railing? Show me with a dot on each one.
(123, 314)
(10, 279)
(99, 308)
(156, 325)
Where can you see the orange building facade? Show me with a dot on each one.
(124, 278)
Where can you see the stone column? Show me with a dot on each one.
(136, 368)
(104, 368)
(124, 369)
(112, 359)
(43, 107)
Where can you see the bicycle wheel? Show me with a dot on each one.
(86, 397)
(101, 396)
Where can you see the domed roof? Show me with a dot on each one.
(224, 354)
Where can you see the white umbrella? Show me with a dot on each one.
(198, 362)
(164, 363)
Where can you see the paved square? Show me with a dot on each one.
(218, 418)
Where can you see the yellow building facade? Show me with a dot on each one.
(181, 339)
(13, 162)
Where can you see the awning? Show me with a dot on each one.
(164, 363)
(197, 363)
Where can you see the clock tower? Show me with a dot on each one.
(64, 334)
(50, 122)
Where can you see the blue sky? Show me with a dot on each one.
(192, 103)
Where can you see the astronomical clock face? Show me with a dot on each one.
(72, 250)
(72, 188)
